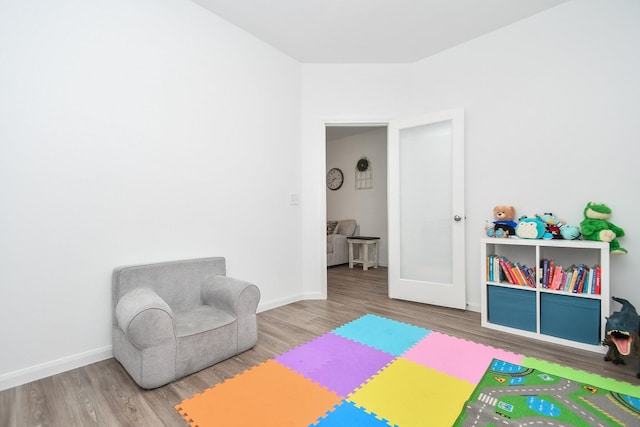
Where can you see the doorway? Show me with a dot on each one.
(362, 194)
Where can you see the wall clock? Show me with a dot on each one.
(334, 179)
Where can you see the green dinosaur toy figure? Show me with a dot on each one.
(621, 333)
(595, 226)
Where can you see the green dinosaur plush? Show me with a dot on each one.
(595, 226)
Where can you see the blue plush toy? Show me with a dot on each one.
(570, 232)
(551, 225)
(530, 228)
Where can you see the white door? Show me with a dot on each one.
(426, 209)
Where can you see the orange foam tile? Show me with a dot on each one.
(260, 397)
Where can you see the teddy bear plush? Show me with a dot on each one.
(595, 226)
(504, 216)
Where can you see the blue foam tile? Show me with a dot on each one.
(347, 414)
(383, 334)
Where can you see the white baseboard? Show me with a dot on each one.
(37, 372)
(473, 307)
(268, 305)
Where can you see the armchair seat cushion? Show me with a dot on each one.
(200, 319)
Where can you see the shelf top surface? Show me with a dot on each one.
(544, 242)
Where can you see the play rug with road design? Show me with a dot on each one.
(510, 394)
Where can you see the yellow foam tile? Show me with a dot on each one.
(408, 394)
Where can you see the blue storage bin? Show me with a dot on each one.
(515, 308)
(572, 318)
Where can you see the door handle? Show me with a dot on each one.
(457, 218)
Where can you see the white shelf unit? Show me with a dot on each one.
(531, 252)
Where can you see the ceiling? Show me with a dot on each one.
(371, 31)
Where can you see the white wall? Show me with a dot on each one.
(151, 130)
(134, 132)
(367, 206)
(551, 108)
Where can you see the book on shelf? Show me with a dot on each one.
(574, 279)
(529, 276)
(544, 272)
(516, 275)
(506, 267)
(556, 278)
(588, 283)
(569, 273)
(579, 278)
(499, 268)
(487, 268)
(493, 269)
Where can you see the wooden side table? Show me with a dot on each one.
(364, 242)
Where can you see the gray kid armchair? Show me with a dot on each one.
(172, 319)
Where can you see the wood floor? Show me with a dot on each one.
(102, 394)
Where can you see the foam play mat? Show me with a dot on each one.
(373, 371)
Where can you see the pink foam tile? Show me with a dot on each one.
(457, 357)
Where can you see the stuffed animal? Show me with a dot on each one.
(493, 232)
(530, 228)
(621, 333)
(570, 232)
(504, 216)
(552, 226)
(595, 226)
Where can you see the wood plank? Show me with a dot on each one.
(103, 394)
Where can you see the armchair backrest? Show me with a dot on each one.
(178, 283)
(347, 227)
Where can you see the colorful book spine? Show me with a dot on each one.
(550, 275)
(583, 280)
(505, 270)
(557, 277)
(576, 286)
(528, 274)
(521, 279)
(566, 279)
(574, 279)
(588, 284)
(545, 272)
(487, 269)
(571, 271)
(552, 266)
(491, 267)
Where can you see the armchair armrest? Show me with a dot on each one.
(234, 296)
(145, 318)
